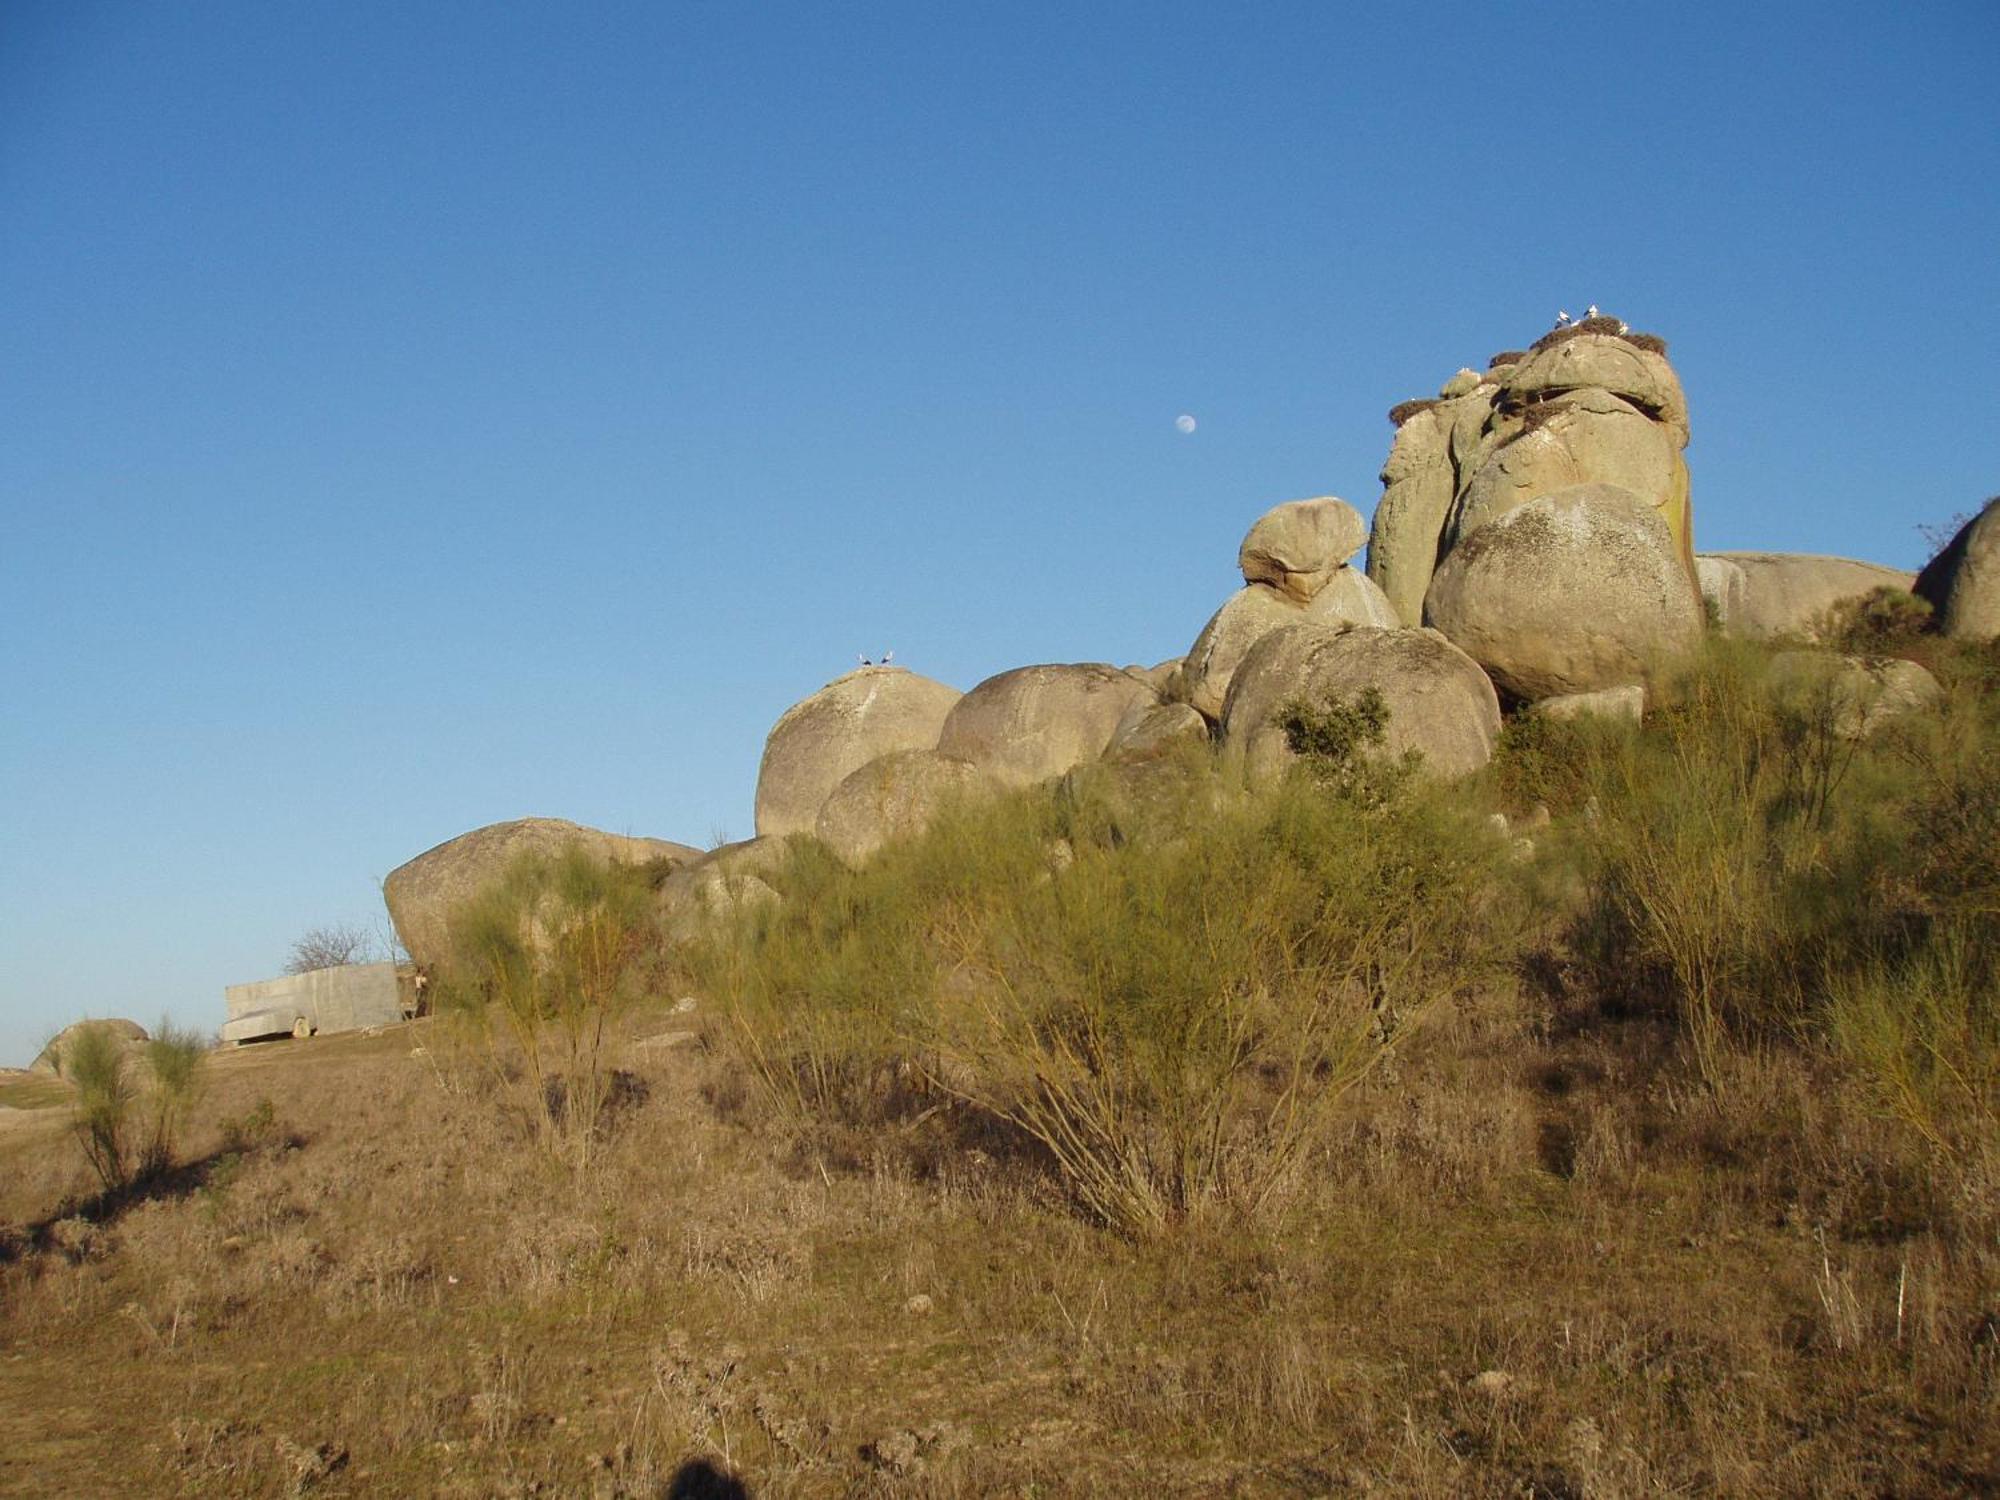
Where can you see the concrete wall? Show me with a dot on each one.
(342, 999)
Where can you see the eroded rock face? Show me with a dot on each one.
(1150, 730)
(1440, 703)
(1034, 723)
(1787, 593)
(423, 894)
(1571, 592)
(1962, 582)
(822, 739)
(1608, 362)
(1298, 546)
(1420, 481)
(894, 796)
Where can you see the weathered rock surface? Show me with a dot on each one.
(1582, 437)
(423, 894)
(1862, 693)
(1571, 592)
(1962, 582)
(1419, 482)
(50, 1060)
(1627, 702)
(716, 886)
(893, 797)
(1607, 362)
(1296, 547)
(1440, 704)
(1788, 593)
(1152, 729)
(1252, 612)
(820, 740)
(1034, 723)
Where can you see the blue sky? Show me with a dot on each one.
(413, 417)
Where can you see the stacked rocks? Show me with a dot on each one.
(1295, 566)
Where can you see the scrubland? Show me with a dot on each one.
(1137, 1135)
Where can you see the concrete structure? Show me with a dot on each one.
(346, 998)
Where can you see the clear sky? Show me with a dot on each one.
(417, 416)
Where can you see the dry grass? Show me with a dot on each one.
(386, 1290)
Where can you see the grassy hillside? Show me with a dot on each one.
(1139, 1134)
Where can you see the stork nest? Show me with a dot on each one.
(1652, 343)
(1507, 357)
(1404, 410)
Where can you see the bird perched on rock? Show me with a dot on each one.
(887, 657)
(1563, 319)
(1590, 311)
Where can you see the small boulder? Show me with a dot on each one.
(716, 886)
(1034, 723)
(1440, 704)
(1861, 693)
(1151, 729)
(894, 796)
(820, 740)
(1962, 582)
(1297, 546)
(1627, 702)
(129, 1034)
(1571, 592)
(423, 894)
(1790, 593)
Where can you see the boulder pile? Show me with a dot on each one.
(1533, 548)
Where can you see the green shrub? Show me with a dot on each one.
(96, 1064)
(547, 956)
(174, 1058)
(1169, 1016)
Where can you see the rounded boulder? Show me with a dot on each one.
(818, 742)
(893, 797)
(1962, 582)
(1253, 612)
(423, 894)
(1296, 547)
(1570, 592)
(1034, 723)
(1440, 704)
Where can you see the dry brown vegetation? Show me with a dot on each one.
(1556, 1239)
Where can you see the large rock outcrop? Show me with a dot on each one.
(423, 894)
(1962, 582)
(1589, 403)
(821, 740)
(1768, 594)
(893, 797)
(1571, 592)
(1034, 723)
(1440, 704)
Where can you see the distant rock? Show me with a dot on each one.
(423, 894)
(1297, 547)
(1034, 723)
(893, 797)
(1962, 582)
(1440, 704)
(820, 740)
(50, 1060)
(1574, 591)
(1767, 594)
(1861, 694)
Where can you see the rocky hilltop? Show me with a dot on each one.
(1532, 549)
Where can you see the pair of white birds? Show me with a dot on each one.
(887, 657)
(1564, 320)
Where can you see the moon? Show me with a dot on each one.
(1184, 424)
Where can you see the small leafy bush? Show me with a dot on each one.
(96, 1064)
